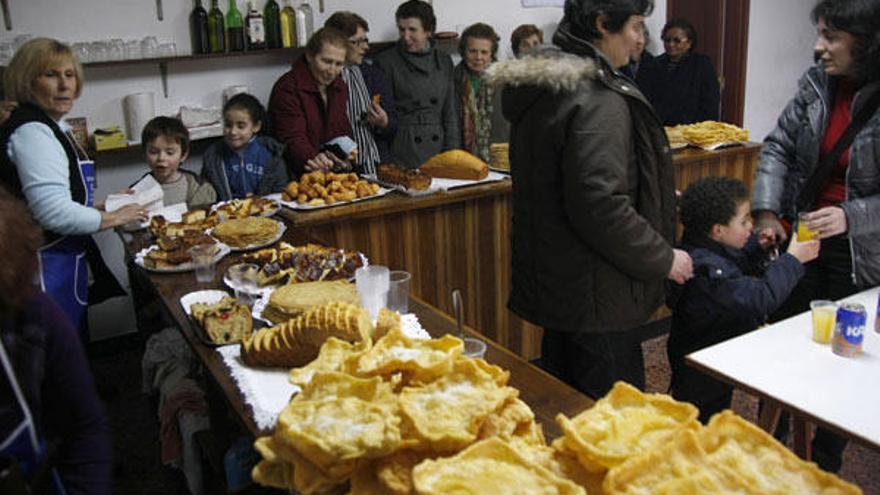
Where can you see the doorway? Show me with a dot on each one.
(723, 30)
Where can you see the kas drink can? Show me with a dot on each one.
(849, 329)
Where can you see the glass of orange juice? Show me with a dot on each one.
(824, 315)
(803, 232)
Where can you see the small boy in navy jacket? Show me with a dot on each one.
(734, 288)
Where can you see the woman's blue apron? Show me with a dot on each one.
(18, 433)
(63, 267)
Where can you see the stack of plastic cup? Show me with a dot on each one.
(372, 286)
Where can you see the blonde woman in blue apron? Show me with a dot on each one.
(42, 164)
(54, 435)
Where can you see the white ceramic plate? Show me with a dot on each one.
(210, 296)
(278, 234)
(222, 250)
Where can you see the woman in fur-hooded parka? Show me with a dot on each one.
(593, 191)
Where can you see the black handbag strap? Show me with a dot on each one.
(807, 196)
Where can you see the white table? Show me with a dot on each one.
(781, 364)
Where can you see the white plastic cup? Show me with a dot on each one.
(398, 291)
(203, 260)
(474, 348)
(372, 286)
(244, 282)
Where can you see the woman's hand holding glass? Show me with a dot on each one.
(827, 222)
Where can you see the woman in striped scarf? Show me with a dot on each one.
(370, 104)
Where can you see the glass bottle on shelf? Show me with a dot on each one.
(234, 28)
(256, 28)
(216, 29)
(198, 29)
(305, 23)
(288, 26)
(271, 21)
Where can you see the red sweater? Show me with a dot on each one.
(834, 191)
(300, 120)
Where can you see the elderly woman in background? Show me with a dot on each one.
(421, 79)
(307, 104)
(44, 362)
(482, 121)
(41, 163)
(371, 110)
(524, 38)
(683, 87)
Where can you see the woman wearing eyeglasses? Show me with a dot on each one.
(683, 88)
(371, 109)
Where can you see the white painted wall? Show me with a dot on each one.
(781, 39)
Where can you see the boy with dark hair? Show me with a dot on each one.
(166, 144)
(730, 293)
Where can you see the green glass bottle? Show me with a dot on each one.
(234, 28)
(272, 22)
(198, 29)
(216, 29)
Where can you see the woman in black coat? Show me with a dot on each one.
(682, 86)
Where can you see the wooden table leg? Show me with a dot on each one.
(769, 416)
(801, 430)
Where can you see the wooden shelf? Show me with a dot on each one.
(187, 58)
(136, 148)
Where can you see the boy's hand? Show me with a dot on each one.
(767, 219)
(766, 238)
(803, 251)
(682, 267)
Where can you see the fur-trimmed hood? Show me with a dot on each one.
(548, 67)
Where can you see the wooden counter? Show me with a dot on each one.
(461, 239)
(546, 395)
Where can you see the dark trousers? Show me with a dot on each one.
(592, 362)
(711, 396)
(827, 277)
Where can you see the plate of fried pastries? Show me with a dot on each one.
(171, 255)
(396, 415)
(245, 234)
(251, 206)
(316, 190)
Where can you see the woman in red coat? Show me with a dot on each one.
(307, 105)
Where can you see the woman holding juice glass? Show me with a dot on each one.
(841, 206)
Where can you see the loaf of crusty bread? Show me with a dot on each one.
(414, 180)
(456, 164)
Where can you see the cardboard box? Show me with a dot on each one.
(109, 138)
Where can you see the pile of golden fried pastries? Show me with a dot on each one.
(705, 134)
(248, 231)
(297, 341)
(310, 263)
(402, 416)
(327, 188)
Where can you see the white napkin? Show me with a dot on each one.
(147, 192)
